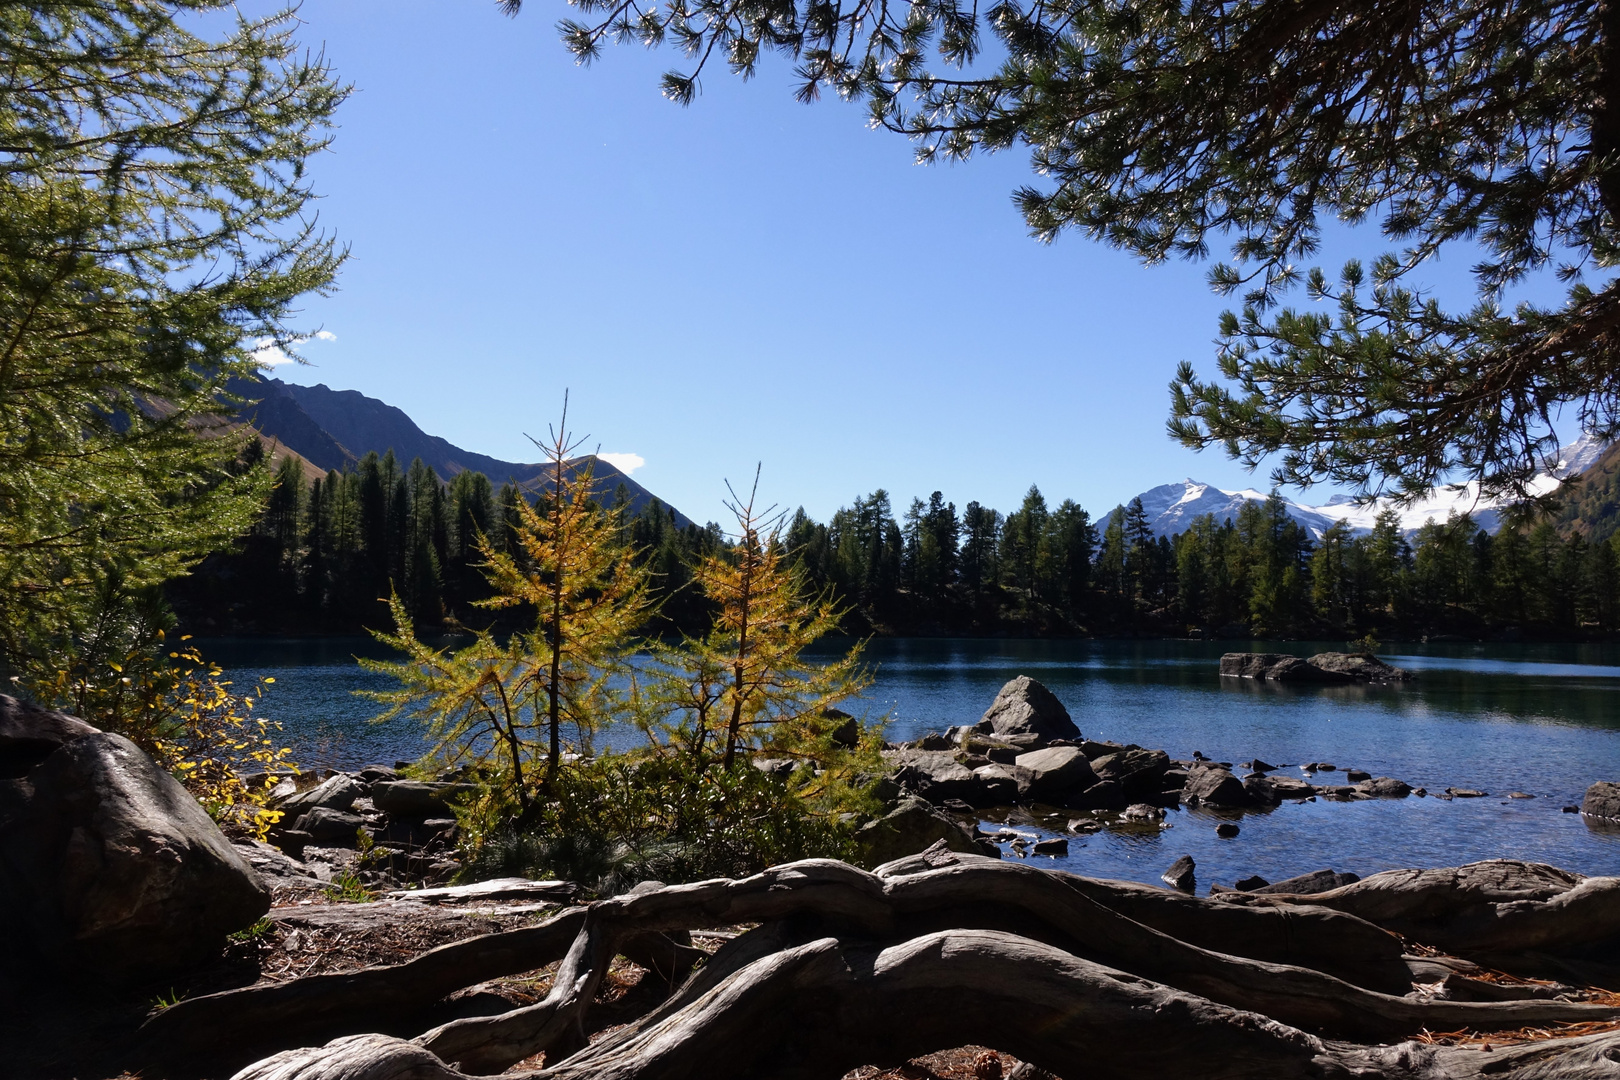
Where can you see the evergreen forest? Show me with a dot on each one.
(326, 553)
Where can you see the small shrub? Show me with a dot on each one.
(255, 932)
(346, 888)
(627, 818)
(180, 710)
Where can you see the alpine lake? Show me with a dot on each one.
(1537, 720)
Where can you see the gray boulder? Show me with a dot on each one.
(1260, 790)
(1361, 666)
(911, 827)
(1295, 670)
(1182, 875)
(1385, 787)
(1139, 772)
(936, 775)
(108, 865)
(1215, 787)
(1602, 800)
(1056, 773)
(29, 733)
(1245, 665)
(336, 792)
(417, 799)
(1025, 708)
(999, 785)
(327, 826)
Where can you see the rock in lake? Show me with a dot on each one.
(1181, 875)
(1384, 787)
(1317, 881)
(1215, 786)
(1056, 773)
(1138, 772)
(1027, 713)
(1250, 884)
(1278, 667)
(1226, 830)
(1360, 666)
(1246, 665)
(107, 864)
(1052, 845)
(1602, 800)
(911, 827)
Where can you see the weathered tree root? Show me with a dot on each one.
(260, 1019)
(999, 895)
(840, 947)
(817, 1010)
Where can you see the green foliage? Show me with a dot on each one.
(152, 230)
(586, 591)
(258, 930)
(1161, 126)
(346, 888)
(177, 707)
(623, 819)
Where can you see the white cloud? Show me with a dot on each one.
(267, 353)
(625, 463)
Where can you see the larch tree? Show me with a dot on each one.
(506, 704)
(756, 684)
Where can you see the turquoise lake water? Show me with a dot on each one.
(1543, 720)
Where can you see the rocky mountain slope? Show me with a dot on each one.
(334, 429)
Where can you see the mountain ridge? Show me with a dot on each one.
(334, 429)
(1172, 508)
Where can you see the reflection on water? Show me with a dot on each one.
(1539, 719)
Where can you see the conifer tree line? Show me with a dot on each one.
(1055, 570)
(326, 552)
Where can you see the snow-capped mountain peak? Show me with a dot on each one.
(1172, 508)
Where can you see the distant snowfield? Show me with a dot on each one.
(1172, 508)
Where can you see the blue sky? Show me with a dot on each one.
(744, 280)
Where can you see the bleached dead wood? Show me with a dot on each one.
(850, 967)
